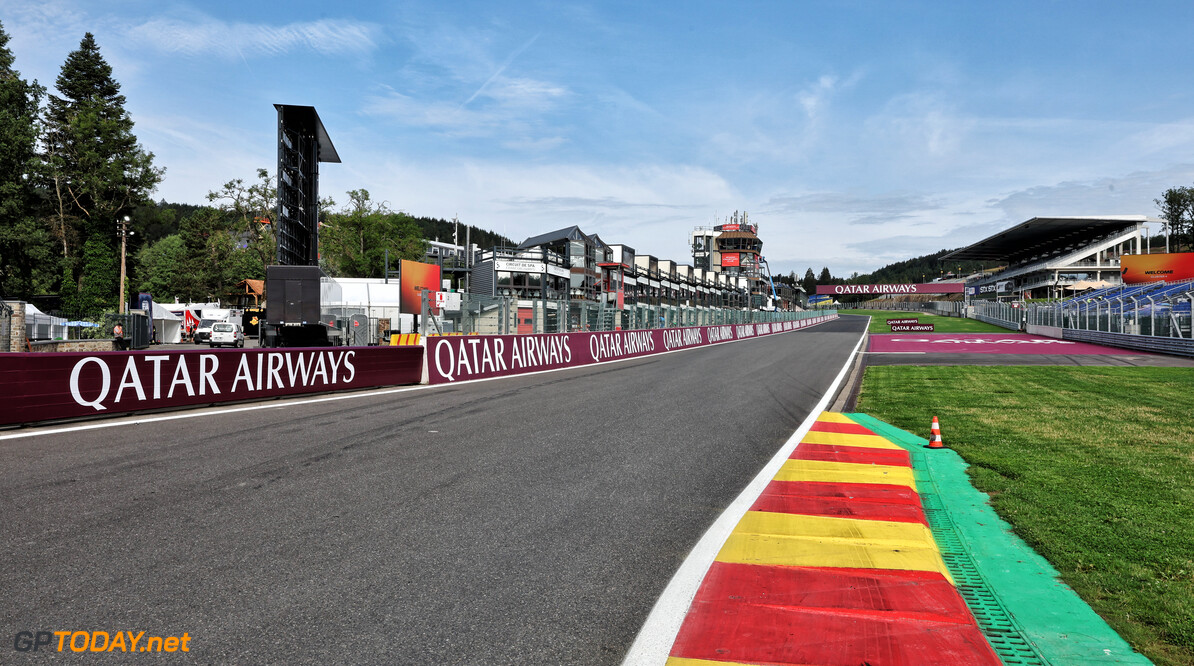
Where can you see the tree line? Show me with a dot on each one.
(910, 271)
(75, 183)
(1176, 206)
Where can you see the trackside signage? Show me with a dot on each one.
(881, 289)
(39, 387)
(458, 358)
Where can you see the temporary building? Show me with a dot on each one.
(166, 325)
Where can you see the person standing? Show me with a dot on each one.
(118, 333)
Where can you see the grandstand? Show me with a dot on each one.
(1046, 257)
(1153, 308)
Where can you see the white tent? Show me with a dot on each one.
(41, 326)
(167, 326)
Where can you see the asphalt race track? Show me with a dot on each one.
(525, 520)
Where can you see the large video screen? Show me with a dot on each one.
(1156, 267)
(415, 278)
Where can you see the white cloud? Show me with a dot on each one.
(839, 202)
(527, 94)
(649, 207)
(211, 37)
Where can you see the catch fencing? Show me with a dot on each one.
(1119, 322)
(504, 315)
(943, 308)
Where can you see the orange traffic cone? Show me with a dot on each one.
(935, 436)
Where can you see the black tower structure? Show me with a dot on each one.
(302, 144)
(292, 287)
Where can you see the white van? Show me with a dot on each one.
(203, 331)
(224, 333)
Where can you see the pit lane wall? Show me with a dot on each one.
(48, 386)
(458, 358)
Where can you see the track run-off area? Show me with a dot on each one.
(531, 519)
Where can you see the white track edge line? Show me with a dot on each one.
(655, 639)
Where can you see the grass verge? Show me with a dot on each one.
(940, 324)
(1092, 467)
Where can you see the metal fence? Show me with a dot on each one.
(1171, 319)
(504, 315)
(943, 308)
(1164, 330)
(6, 316)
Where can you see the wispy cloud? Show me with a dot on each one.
(513, 106)
(840, 202)
(1132, 194)
(500, 70)
(212, 37)
(897, 248)
(611, 203)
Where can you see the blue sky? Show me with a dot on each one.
(854, 133)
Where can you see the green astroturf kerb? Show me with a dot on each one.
(1026, 612)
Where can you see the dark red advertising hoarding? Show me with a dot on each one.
(729, 259)
(39, 387)
(884, 289)
(457, 358)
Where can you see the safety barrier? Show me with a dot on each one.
(38, 387)
(46, 386)
(456, 358)
(1146, 343)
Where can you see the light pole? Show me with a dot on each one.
(124, 236)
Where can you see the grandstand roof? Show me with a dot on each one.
(1045, 235)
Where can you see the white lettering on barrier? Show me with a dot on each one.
(302, 371)
(721, 333)
(181, 376)
(106, 376)
(678, 338)
(464, 358)
(604, 346)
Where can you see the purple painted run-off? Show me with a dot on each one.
(983, 343)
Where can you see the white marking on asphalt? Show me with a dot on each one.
(658, 634)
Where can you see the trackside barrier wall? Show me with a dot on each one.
(1177, 346)
(455, 358)
(46, 386)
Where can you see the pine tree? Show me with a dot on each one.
(24, 242)
(94, 172)
(809, 282)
